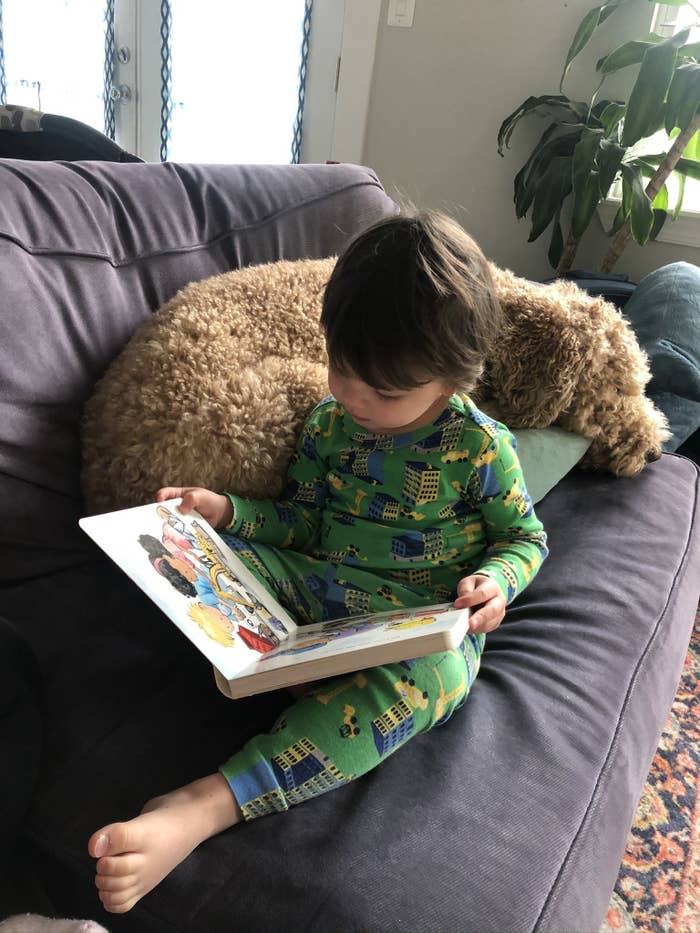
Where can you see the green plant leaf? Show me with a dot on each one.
(660, 202)
(611, 116)
(659, 220)
(670, 2)
(618, 221)
(648, 169)
(552, 190)
(609, 160)
(641, 213)
(683, 166)
(577, 111)
(556, 244)
(586, 180)
(681, 192)
(586, 28)
(631, 53)
(528, 178)
(683, 97)
(688, 168)
(645, 108)
(692, 150)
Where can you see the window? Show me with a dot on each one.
(667, 21)
(54, 56)
(235, 88)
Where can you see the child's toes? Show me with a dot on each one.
(119, 902)
(119, 866)
(114, 840)
(114, 883)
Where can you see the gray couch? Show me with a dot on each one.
(512, 816)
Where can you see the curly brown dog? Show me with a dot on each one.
(213, 389)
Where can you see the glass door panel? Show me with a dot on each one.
(235, 79)
(54, 57)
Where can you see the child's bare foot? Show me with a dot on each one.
(133, 857)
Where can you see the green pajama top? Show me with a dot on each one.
(423, 508)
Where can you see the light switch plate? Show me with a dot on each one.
(401, 12)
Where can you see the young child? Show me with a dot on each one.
(400, 493)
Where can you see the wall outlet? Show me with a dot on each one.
(401, 12)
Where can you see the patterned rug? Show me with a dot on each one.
(658, 888)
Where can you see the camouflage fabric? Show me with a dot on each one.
(20, 119)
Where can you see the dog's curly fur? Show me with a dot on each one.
(213, 389)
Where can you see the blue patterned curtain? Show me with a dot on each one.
(299, 120)
(3, 82)
(166, 78)
(109, 70)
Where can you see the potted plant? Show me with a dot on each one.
(587, 146)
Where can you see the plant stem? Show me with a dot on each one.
(652, 189)
(567, 256)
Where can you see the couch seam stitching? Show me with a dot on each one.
(125, 262)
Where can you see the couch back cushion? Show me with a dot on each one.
(88, 250)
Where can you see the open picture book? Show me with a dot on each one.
(254, 644)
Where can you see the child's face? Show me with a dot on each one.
(389, 411)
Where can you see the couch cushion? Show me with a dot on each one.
(87, 251)
(512, 816)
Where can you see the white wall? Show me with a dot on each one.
(439, 93)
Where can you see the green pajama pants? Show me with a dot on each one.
(344, 726)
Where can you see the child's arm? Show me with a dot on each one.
(517, 543)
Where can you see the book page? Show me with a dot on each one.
(188, 570)
(405, 633)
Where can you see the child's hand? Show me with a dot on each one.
(212, 506)
(480, 590)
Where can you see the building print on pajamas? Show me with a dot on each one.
(421, 482)
(298, 773)
(417, 545)
(308, 446)
(311, 493)
(336, 595)
(519, 498)
(383, 508)
(418, 577)
(458, 509)
(367, 465)
(246, 552)
(487, 425)
(350, 556)
(392, 727)
(285, 514)
(442, 440)
(303, 771)
(483, 484)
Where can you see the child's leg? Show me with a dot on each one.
(340, 731)
(347, 726)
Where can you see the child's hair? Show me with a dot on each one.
(411, 299)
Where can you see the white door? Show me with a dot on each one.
(199, 80)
